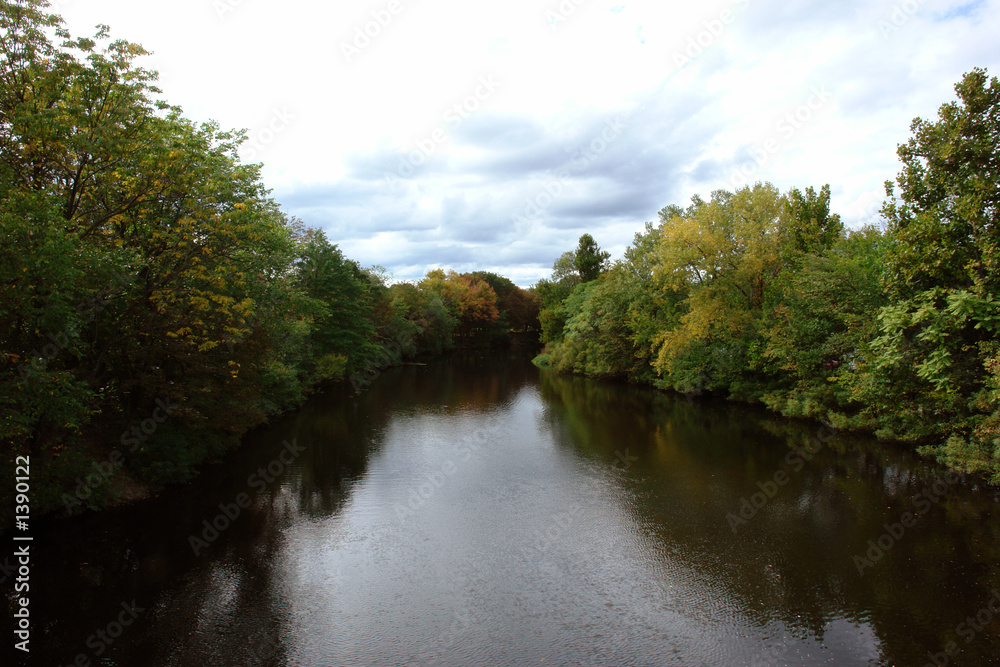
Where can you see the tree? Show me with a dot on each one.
(518, 308)
(819, 326)
(344, 328)
(933, 374)
(812, 229)
(564, 279)
(421, 320)
(153, 252)
(728, 255)
(725, 255)
(589, 261)
(946, 221)
(568, 271)
(469, 298)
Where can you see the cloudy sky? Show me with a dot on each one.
(469, 135)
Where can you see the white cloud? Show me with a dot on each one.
(351, 120)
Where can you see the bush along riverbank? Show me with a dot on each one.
(155, 302)
(759, 296)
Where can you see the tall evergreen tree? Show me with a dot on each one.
(590, 261)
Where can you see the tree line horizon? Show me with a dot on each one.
(156, 303)
(764, 297)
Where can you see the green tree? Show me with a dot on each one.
(422, 321)
(469, 298)
(820, 323)
(590, 261)
(564, 268)
(552, 293)
(933, 375)
(945, 221)
(155, 253)
(344, 331)
(812, 229)
(518, 308)
(728, 255)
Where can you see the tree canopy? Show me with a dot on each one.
(589, 261)
(764, 296)
(144, 265)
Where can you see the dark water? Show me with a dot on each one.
(477, 511)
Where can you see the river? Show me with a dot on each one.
(479, 511)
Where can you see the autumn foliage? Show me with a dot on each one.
(763, 296)
(144, 265)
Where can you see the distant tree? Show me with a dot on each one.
(565, 267)
(344, 326)
(564, 279)
(469, 298)
(523, 308)
(518, 308)
(421, 321)
(590, 261)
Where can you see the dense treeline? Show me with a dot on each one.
(765, 297)
(155, 303)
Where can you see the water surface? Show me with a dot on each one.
(478, 511)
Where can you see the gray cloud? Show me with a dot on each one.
(518, 190)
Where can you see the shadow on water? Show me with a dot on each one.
(791, 529)
(198, 559)
(198, 565)
(718, 502)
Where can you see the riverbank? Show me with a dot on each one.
(114, 478)
(977, 479)
(475, 511)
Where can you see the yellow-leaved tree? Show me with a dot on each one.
(727, 255)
